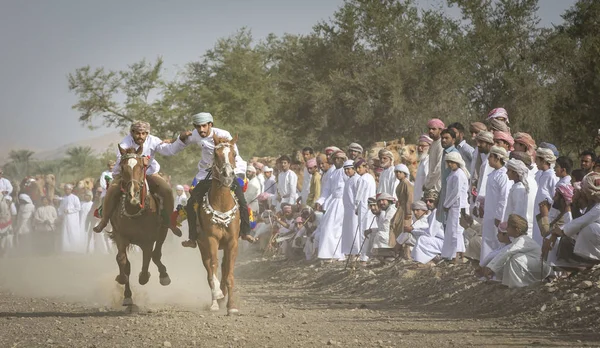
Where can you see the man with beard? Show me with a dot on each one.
(307, 153)
(429, 245)
(314, 191)
(387, 179)
(434, 177)
(423, 168)
(448, 138)
(485, 141)
(466, 150)
(354, 151)
(253, 189)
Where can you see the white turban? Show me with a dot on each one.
(68, 186)
(418, 205)
(402, 168)
(521, 169)
(267, 169)
(202, 118)
(500, 152)
(386, 196)
(457, 158)
(485, 136)
(355, 147)
(250, 168)
(545, 154)
(179, 187)
(140, 126)
(386, 153)
(349, 164)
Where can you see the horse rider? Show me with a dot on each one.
(202, 135)
(140, 136)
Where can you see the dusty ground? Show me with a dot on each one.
(74, 302)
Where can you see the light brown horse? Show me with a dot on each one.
(219, 225)
(137, 221)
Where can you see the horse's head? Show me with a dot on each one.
(132, 173)
(224, 161)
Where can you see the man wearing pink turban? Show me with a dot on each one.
(434, 177)
(499, 114)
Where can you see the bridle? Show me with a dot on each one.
(217, 171)
(126, 186)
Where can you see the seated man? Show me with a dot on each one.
(202, 135)
(140, 136)
(429, 245)
(520, 263)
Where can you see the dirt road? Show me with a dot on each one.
(74, 302)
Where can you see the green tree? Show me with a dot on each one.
(81, 162)
(21, 164)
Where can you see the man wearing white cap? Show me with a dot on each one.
(270, 184)
(404, 196)
(106, 177)
(253, 189)
(546, 181)
(354, 151)
(365, 188)
(203, 136)
(330, 228)
(139, 135)
(73, 239)
(350, 224)
(455, 201)
(383, 233)
(5, 185)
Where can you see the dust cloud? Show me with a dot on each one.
(90, 278)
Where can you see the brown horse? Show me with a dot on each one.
(137, 221)
(219, 225)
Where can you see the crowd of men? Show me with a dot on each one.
(517, 209)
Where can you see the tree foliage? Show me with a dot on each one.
(377, 70)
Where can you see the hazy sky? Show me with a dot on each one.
(41, 41)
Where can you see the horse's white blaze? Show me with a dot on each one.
(226, 151)
(132, 162)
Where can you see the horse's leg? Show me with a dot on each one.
(157, 254)
(146, 256)
(224, 269)
(211, 262)
(124, 271)
(231, 251)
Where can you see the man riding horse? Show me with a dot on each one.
(139, 135)
(203, 136)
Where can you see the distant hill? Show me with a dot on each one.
(98, 144)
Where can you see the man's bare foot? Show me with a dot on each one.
(189, 243)
(176, 231)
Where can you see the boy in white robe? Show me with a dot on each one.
(518, 265)
(562, 169)
(423, 168)
(496, 196)
(546, 181)
(350, 225)
(44, 220)
(408, 239)
(455, 201)
(429, 245)
(68, 211)
(365, 188)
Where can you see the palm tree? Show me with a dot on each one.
(21, 160)
(81, 160)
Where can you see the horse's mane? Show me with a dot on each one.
(220, 140)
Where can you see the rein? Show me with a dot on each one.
(143, 193)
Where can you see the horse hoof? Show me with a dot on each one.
(214, 307)
(127, 301)
(164, 281)
(218, 295)
(144, 278)
(122, 279)
(233, 311)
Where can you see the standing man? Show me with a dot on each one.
(68, 212)
(5, 185)
(253, 189)
(485, 141)
(496, 195)
(546, 182)
(365, 188)
(286, 182)
(350, 224)
(434, 177)
(106, 177)
(387, 179)
(466, 150)
(270, 184)
(315, 182)
(423, 157)
(448, 138)
(307, 153)
(202, 135)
